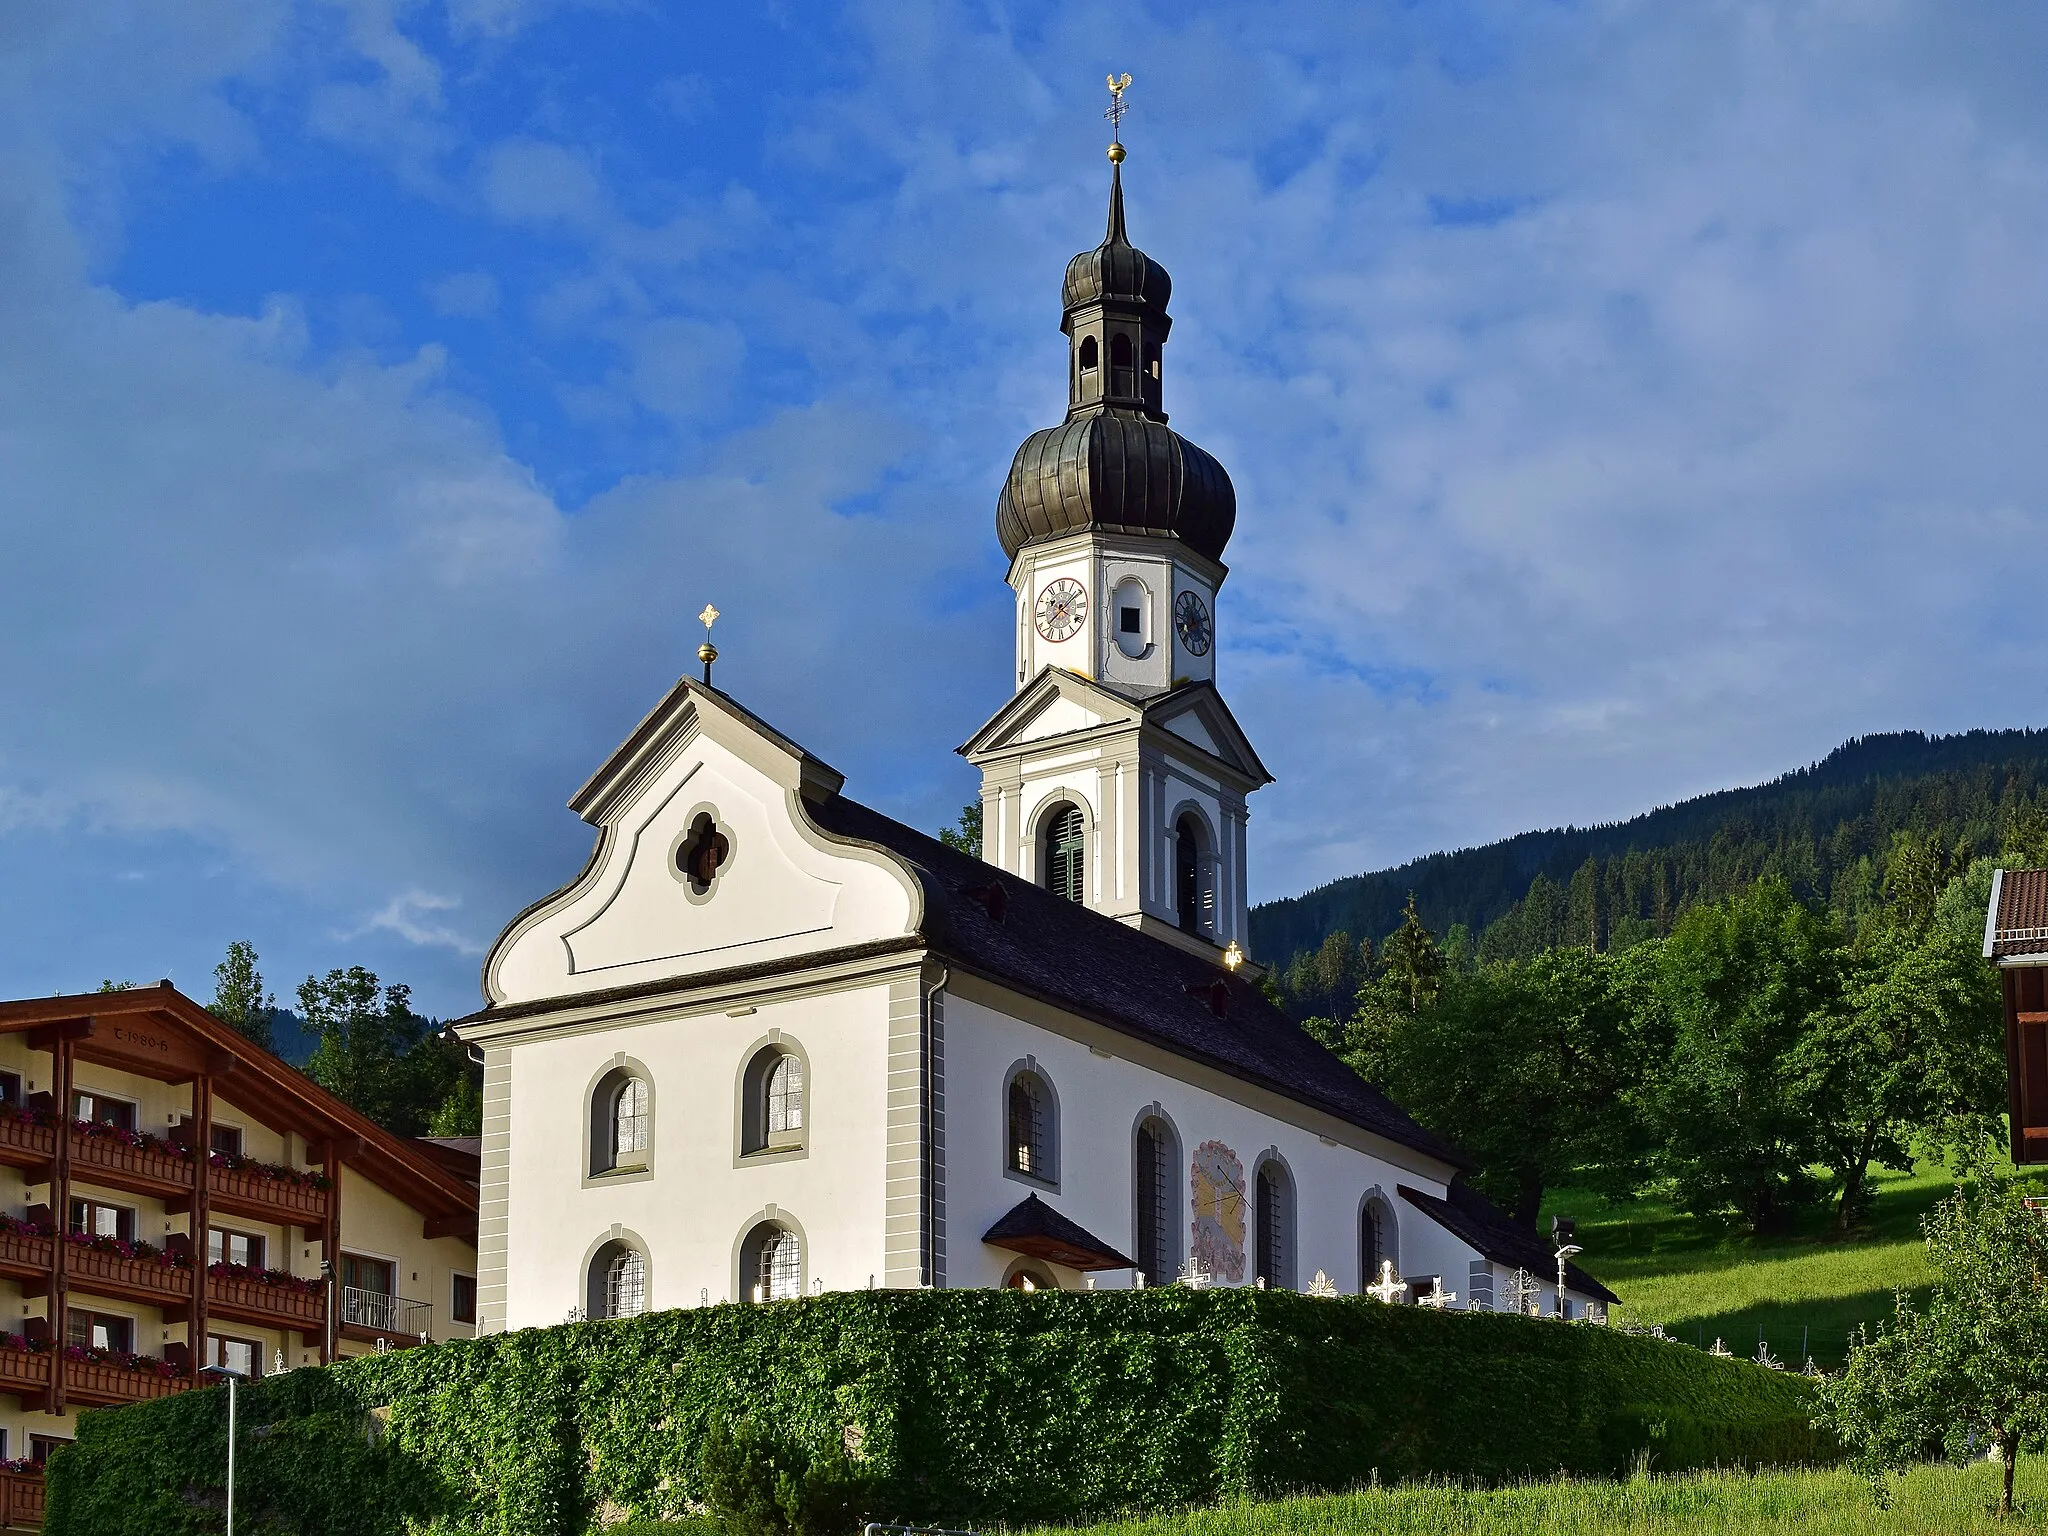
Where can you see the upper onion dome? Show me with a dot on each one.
(1114, 464)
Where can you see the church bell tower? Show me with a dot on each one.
(1116, 775)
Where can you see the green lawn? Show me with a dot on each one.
(1809, 1285)
(1929, 1501)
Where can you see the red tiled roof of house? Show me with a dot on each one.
(2018, 920)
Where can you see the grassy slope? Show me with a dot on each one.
(1808, 1283)
(1929, 1501)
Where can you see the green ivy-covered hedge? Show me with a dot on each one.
(959, 1406)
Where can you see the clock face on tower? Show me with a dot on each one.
(1062, 609)
(1191, 623)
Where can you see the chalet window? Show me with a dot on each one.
(99, 1330)
(98, 1109)
(240, 1357)
(40, 1446)
(375, 1277)
(94, 1218)
(462, 1299)
(1033, 1124)
(772, 1111)
(1274, 1213)
(1065, 845)
(227, 1140)
(1157, 1161)
(772, 1263)
(226, 1247)
(10, 1089)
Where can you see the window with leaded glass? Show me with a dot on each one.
(1156, 1207)
(625, 1283)
(1273, 1210)
(631, 1124)
(1031, 1136)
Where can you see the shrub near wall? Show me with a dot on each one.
(961, 1406)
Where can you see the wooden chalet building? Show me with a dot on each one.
(172, 1196)
(2016, 939)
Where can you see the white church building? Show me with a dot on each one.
(771, 1042)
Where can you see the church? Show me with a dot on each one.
(770, 1042)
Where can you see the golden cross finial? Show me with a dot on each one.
(1115, 114)
(707, 652)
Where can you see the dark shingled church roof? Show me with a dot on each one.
(1477, 1222)
(1092, 965)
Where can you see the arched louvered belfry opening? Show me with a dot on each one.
(1187, 876)
(1064, 858)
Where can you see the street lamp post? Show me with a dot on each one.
(218, 1370)
(1562, 1230)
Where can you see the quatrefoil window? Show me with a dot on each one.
(702, 853)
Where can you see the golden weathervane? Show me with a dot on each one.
(1115, 114)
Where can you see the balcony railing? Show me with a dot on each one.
(379, 1313)
(263, 1302)
(24, 1372)
(21, 1500)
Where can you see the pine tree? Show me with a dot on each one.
(239, 1000)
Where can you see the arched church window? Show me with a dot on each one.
(1375, 1241)
(1157, 1162)
(773, 1107)
(1120, 351)
(621, 1119)
(630, 1123)
(1032, 1121)
(1273, 1209)
(1064, 845)
(1090, 358)
(618, 1281)
(772, 1263)
(1187, 875)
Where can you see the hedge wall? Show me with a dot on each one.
(961, 1406)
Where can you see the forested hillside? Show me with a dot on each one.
(1827, 830)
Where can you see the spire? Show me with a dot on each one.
(1116, 235)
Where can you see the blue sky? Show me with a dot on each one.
(1624, 399)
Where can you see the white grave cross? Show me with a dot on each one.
(1436, 1296)
(1391, 1286)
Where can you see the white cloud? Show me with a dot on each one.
(1624, 400)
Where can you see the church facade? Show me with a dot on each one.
(771, 1042)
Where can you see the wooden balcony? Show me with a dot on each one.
(25, 1145)
(164, 1174)
(24, 1256)
(149, 1281)
(25, 1373)
(265, 1305)
(96, 1384)
(241, 1192)
(21, 1500)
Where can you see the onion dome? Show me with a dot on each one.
(1114, 465)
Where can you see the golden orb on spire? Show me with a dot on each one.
(1116, 154)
